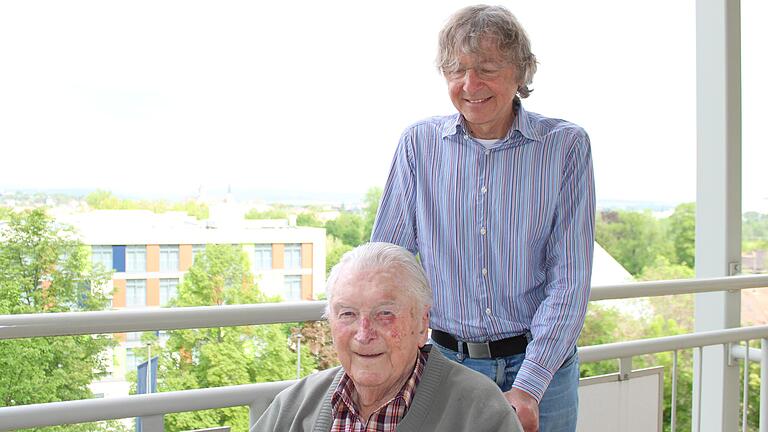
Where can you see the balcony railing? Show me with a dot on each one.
(151, 408)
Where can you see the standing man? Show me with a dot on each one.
(499, 204)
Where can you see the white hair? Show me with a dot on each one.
(382, 256)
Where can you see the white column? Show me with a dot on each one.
(718, 200)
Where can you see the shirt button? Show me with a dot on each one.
(484, 189)
(487, 152)
(466, 137)
(488, 311)
(482, 231)
(485, 271)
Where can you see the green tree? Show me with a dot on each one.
(681, 227)
(193, 208)
(348, 228)
(214, 357)
(309, 219)
(335, 249)
(105, 200)
(44, 268)
(754, 226)
(754, 232)
(634, 239)
(102, 199)
(372, 200)
(276, 213)
(662, 269)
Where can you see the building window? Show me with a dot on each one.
(293, 256)
(130, 360)
(136, 259)
(102, 255)
(133, 337)
(197, 250)
(135, 292)
(293, 288)
(169, 258)
(168, 288)
(262, 259)
(162, 337)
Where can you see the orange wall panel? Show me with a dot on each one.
(153, 292)
(185, 257)
(306, 287)
(306, 255)
(118, 295)
(153, 258)
(278, 255)
(120, 337)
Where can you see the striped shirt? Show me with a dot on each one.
(346, 417)
(505, 234)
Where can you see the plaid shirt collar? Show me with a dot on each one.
(346, 417)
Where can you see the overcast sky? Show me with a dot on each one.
(162, 97)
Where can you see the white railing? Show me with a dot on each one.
(152, 407)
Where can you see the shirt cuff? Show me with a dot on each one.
(533, 379)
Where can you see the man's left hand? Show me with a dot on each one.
(527, 408)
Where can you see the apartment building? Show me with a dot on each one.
(149, 254)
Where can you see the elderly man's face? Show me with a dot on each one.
(482, 87)
(377, 329)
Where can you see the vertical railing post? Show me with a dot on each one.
(745, 390)
(673, 402)
(764, 385)
(152, 423)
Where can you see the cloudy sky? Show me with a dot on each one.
(158, 98)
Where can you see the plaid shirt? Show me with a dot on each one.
(346, 417)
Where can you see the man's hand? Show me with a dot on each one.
(527, 408)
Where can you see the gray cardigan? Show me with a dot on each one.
(448, 397)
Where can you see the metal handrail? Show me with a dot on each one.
(679, 286)
(257, 396)
(56, 413)
(150, 319)
(634, 348)
(89, 410)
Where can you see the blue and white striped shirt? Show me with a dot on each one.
(505, 234)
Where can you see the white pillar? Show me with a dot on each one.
(718, 200)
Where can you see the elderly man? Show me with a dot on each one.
(499, 204)
(389, 380)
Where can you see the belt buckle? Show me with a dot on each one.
(479, 349)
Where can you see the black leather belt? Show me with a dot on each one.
(491, 349)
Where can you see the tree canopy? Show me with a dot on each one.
(214, 357)
(43, 268)
(649, 247)
(105, 200)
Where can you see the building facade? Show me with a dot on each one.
(150, 253)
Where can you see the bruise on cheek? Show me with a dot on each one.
(395, 332)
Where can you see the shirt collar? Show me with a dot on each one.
(456, 125)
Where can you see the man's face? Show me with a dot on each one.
(482, 87)
(377, 329)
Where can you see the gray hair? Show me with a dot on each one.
(469, 27)
(382, 256)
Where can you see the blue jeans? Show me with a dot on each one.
(559, 406)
